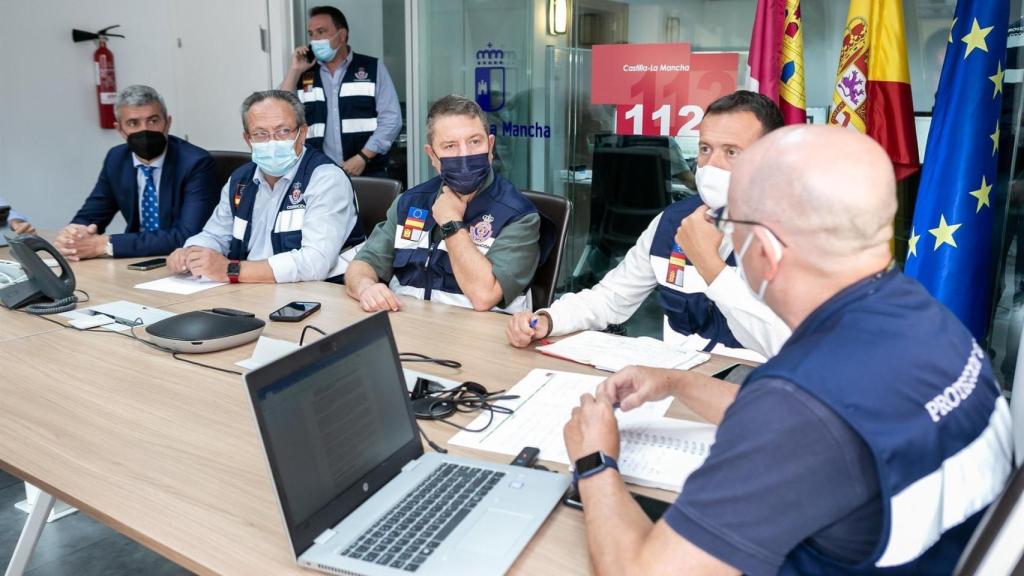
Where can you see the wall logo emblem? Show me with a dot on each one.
(490, 78)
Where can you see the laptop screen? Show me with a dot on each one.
(336, 425)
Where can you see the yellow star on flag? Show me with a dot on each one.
(995, 139)
(913, 242)
(944, 233)
(982, 194)
(951, 26)
(997, 79)
(976, 38)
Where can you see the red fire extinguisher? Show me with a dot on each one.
(106, 78)
(106, 83)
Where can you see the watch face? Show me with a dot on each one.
(233, 268)
(588, 463)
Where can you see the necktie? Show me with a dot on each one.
(149, 218)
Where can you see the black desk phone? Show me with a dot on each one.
(42, 291)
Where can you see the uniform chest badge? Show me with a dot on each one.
(361, 74)
(307, 82)
(415, 220)
(237, 199)
(676, 265)
(295, 196)
(482, 230)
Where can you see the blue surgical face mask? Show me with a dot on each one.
(465, 174)
(322, 48)
(274, 157)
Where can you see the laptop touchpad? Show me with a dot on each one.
(496, 531)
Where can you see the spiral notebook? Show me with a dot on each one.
(663, 452)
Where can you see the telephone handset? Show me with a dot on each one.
(40, 282)
(309, 54)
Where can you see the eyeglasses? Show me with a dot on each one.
(719, 217)
(280, 134)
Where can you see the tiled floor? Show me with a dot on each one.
(75, 545)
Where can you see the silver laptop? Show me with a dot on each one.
(356, 491)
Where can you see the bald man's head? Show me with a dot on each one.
(826, 191)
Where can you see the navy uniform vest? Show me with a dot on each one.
(681, 288)
(287, 233)
(422, 268)
(357, 107)
(908, 377)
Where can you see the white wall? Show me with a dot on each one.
(51, 143)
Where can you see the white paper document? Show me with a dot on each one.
(546, 399)
(183, 284)
(266, 351)
(613, 353)
(122, 314)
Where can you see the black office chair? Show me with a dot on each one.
(555, 212)
(374, 196)
(997, 546)
(630, 187)
(225, 162)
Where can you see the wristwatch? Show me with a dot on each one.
(449, 228)
(363, 156)
(591, 464)
(110, 249)
(233, 268)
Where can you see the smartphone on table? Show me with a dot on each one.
(149, 264)
(294, 311)
(653, 507)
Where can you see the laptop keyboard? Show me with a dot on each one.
(407, 534)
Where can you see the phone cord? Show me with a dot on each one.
(63, 305)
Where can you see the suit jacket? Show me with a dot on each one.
(188, 193)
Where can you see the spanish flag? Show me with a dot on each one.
(872, 92)
(776, 58)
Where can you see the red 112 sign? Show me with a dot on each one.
(660, 89)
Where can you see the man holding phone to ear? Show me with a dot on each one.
(350, 101)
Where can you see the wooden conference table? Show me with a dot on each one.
(167, 453)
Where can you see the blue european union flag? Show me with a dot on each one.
(951, 238)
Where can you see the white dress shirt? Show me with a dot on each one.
(624, 289)
(329, 219)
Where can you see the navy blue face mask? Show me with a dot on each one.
(465, 174)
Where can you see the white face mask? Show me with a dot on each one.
(777, 253)
(713, 186)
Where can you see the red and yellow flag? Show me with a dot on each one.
(776, 58)
(872, 92)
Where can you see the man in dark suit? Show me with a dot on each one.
(163, 186)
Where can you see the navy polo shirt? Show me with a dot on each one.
(784, 469)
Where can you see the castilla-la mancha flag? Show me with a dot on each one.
(776, 58)
(872, 93)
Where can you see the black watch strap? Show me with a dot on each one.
(449, 228)
(363, 156)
